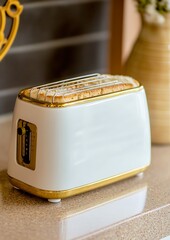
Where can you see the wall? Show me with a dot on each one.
(131, 27)
(56, 39)
(124, 28)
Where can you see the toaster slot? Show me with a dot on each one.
(26, 144)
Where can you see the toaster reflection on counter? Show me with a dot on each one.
(103, 215)
(78, 134)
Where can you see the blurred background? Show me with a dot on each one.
(64, 38)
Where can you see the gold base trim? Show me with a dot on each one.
(74, 191)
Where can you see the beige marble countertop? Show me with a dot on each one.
(137, 208)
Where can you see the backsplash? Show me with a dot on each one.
(56, 39)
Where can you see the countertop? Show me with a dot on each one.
(136, 208)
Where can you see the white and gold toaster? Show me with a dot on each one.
(78, 134)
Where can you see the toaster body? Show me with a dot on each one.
(59, 152)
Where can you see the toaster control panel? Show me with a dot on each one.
(26, 144)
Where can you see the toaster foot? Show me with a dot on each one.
(140, 175)
(54, 200)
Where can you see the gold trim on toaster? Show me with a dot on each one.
(79, 90)
(51, 194)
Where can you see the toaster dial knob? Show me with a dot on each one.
(21, 131)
